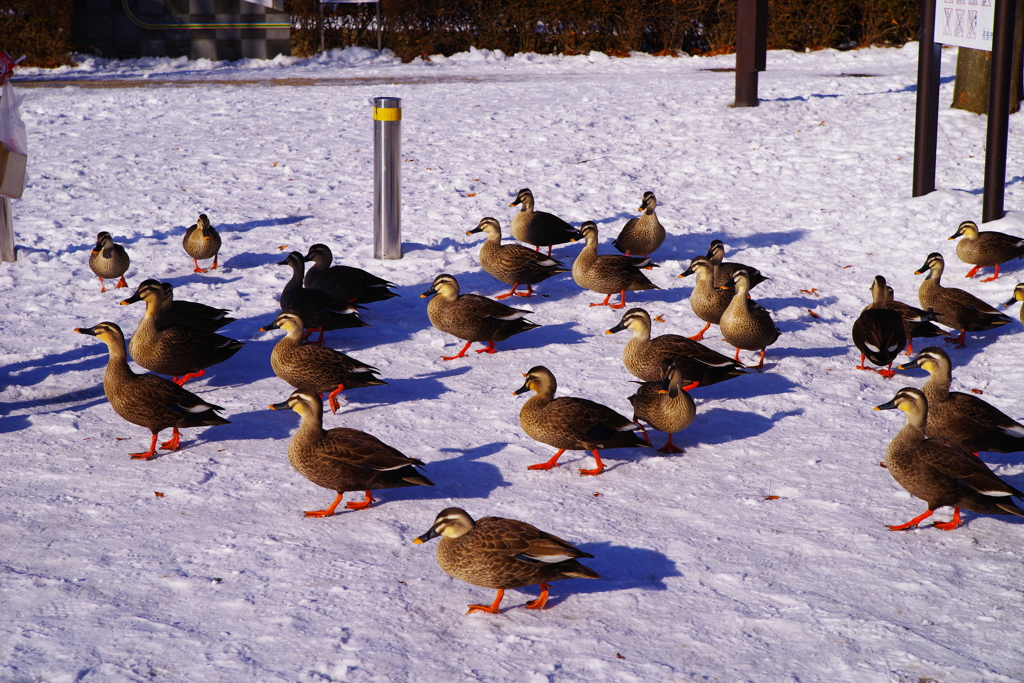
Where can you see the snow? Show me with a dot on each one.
(762, 554)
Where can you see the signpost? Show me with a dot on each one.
(973, 24)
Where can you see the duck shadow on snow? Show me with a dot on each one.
(754, 384)
(80, 399)
(721, 425)
(223, 228)
(685, 246)
(621, 568)
(426, 386)
(463, 476)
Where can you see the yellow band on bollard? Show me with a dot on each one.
(387, 114)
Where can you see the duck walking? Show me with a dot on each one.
(176, 350)
(643, 235)
(109, 260)
(609, 274)
(917, 323)
(513, 264)
(202, 241)
(502, 554)
(539, 228)
(343, 459)
(314, 367)
(148, 400)
(664, 405)
(939, 473)
(878, 332)
(745, 324)
(697, 364)
(472, 317)
(984, 248)
(707, 299)
(960, 418)
(344, 283)
(317, 308)
(954, 307)
(571, 424)
(724, 270)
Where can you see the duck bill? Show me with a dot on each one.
(618, 328)
(429, 292)
(426, 537)
(688, 271)
(271, 326)
(134, 298)
(923, 269)
(474, 230)
(91, 331)
(517, 202)
(954, 235)
(891, 405)
(909, 365)
(280, 406)
(521, 390)
(1012, 300)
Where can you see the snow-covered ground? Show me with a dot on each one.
(762, 554)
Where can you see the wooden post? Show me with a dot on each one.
(926, 129)
(6, 231)
(751, 46)
(998, 112)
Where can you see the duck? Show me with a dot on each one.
(202, 241)
(940, 473)
(960, 418)
(502, 554)
(611, 273)
(878, 333)
(315, 367)
(317, 308)
(642, 236)
(571, 424)
(917, 323)
(1018, 295)
(189, 313)
(745, 324)
(345, 283)
(539, 228)
(513, 264)
(984, 248)
(148, 400)
(343, 459)
(643, 356)
(176, 350)
(707, 299)
(109, 260)
(723, 270)
(954, 307)
(664, 405)
(471, 317)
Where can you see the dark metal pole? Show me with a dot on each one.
(998, 111)
(751, 46)
(380, 29)
(926, 130)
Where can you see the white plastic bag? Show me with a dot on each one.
(12, 129)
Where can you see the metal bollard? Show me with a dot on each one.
(387, 181)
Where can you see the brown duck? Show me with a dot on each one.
(643, 235)
(202, 241)
(611, 273)
(109, 260)
(314, 367)
(344, 459)
(745, 324)
(148, 400)
(724, 270)
(664, 405)
(707, 299)
(917, 323)
(499, 553)
(878, 333)
(513, 264)
(344, 283)
(984, 248)
(571, 424)
(539, 228)
(643, 356)
(318, 309)
(954, 307)
(939, 473)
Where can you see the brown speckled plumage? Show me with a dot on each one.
(148, 400)
(917, 322)
(745, 324)
(878, 332)
(202, 241)
(190, 313)
(108, 260)
(513, 264)
(643, 356)
(960, 418)
(984, 248)
(707, 300)
(315, 367)
(611, 273)
(343, 459)
(573, 424)
(664, 404)
(954, 307)
(499, 553)
(641, 236)
(173, 350)
(724, 270)
(345, 283)
(539, 228)
(939, 473)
